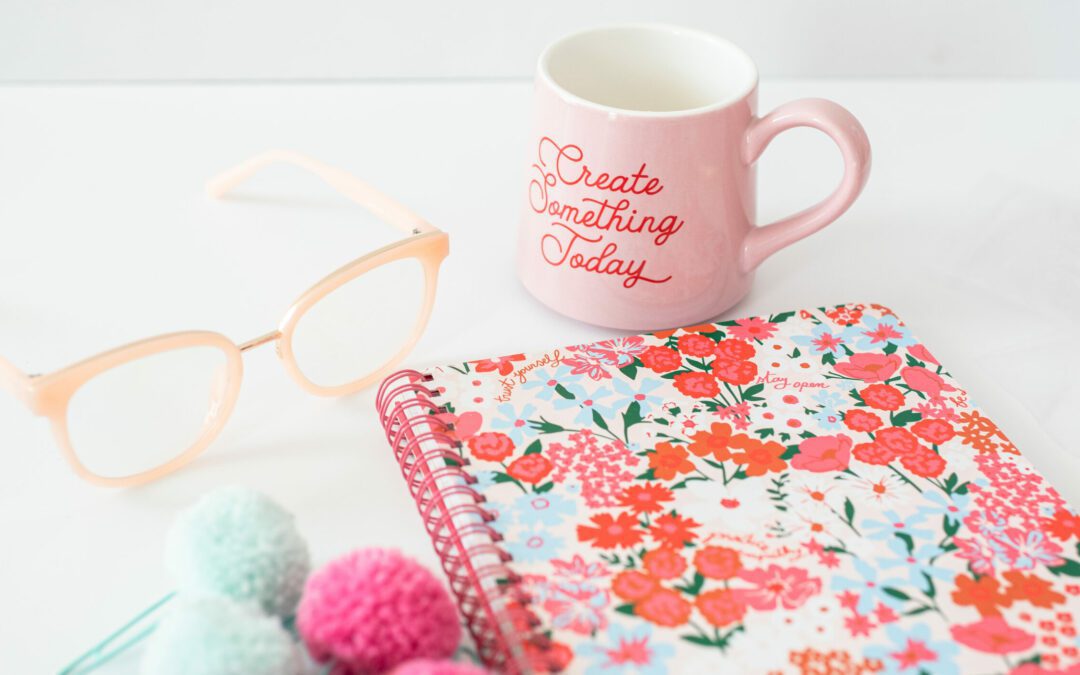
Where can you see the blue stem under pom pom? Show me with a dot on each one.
(130, 633)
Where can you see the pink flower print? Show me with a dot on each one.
(859, 625)
(926, 381)
(1025, 550)
(578, 570)
(739, 414)
(751, 329)
(993, 635)
(869, 367)
(789, 587)
(604, 470)
(976, 550)
(585, 364)
(618, 352)
(823, 453)
(577, 607)
(923, 354)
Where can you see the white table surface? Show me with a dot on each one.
(969, 228)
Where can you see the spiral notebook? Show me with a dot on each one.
(806, 492)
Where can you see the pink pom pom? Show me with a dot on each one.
(432, 667)
(374, 609)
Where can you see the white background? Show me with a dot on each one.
(969, 228)
(84, 40)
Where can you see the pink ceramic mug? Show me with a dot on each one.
(641, 185)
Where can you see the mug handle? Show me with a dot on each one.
(761, 242)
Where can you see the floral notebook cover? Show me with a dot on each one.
(807, 492)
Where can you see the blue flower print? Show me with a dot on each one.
(875, 333)
(641, 394)
(547, 509)
(954, 506)
(593, 402)
(514, 422)
(821, 340)
(827, 398)
(870, 587)
(545, 383)
(828, 418)
(534, 546)
(917, 563)
(626, 651)
(911, 651)
(895, 523)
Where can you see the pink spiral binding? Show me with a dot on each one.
(408, 415)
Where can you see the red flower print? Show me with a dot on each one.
(873, 453)
(869, 367)
(735, 349)
(647, 498)
(669, 460)
(720, 607)
(861, 420)
(823, 453)
(661, 359)
(759, 458)
(550, 657)
(935, 432)
(717, 562)
(611, 532)
(775, 586)
(982, 434)
(882, 397)
(1032, 589)
(734, 371)
(993, 635)
(674, 531)
(754, 328)
(924, 462)
(664, 563)
(491, 446)
(693, 344)
(1064, 524)
(697, 385)
(633, 585)
(530, 468)
(664, 607)
(503, 364)
(848, 315)
(926, 381)
(984, 594)
(923, 354)
(713, 442)
(898, 439)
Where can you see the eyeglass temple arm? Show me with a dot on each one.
(348, 185)
(14, 381)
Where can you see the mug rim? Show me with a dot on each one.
(544, 74)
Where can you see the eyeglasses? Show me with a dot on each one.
(139, 412)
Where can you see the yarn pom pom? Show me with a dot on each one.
(217, 636)
(240, 544)
(433, 667)
(374, 609)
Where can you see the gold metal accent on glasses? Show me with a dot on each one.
(48, 395)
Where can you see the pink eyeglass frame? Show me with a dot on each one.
(49, 395)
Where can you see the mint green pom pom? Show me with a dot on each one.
(238, 543)
(217, 636)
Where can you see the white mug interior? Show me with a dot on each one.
(649, 69)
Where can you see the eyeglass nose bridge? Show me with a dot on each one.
(272, 336)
